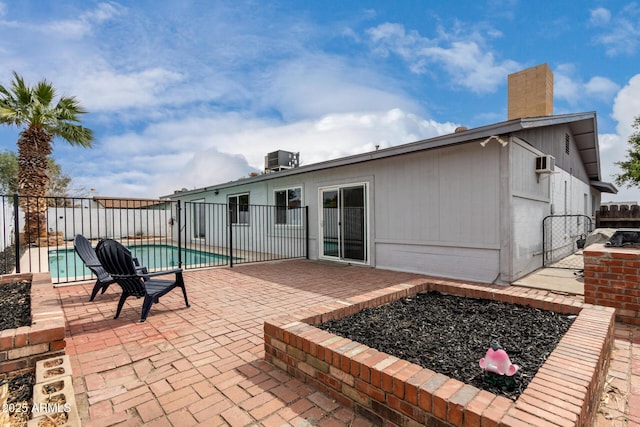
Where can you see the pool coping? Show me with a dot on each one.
(565, 391)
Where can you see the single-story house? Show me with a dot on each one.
(466, 205)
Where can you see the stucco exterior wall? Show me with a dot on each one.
(434, 212)
(535, 196)
(552, 140)
(579, 199)
(438, 212)
(460, 211)
(530, 201)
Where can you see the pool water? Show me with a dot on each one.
(66, 264)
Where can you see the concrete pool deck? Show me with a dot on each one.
(205, 365)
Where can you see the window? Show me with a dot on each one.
(239, 207)
(288, 204)
(567, 143)
(198, 213)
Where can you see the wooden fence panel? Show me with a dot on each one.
(618, 216)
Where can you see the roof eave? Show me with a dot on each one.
(604, 187)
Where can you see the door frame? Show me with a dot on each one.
(367, 225)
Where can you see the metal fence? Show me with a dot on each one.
(36, 234)
(563, 237)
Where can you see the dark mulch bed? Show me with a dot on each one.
(15, 305)
(8, 258)
(450, 334)
(15, 298)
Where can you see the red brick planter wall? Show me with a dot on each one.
(612, 278)
(390, 391)
(21, 348)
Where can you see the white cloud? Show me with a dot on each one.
(464, 56)
(206, 168)
(199, 100)
(627, 106)
(601, 88)
(160, 175)
(65, 29)
(197, 152)
(79, 27)
(103, 12)
(311, 86)
(600, 16)
(108, 90)
(613, 147)
(393, 36)
(620, 33)
(572, 89)
(472, 67)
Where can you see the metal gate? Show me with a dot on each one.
(563, 237)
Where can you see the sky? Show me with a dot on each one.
(186, 94)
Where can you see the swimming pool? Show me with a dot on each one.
(65, 264)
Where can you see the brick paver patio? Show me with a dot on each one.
(204, 365)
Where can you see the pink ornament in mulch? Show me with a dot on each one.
(497, 361)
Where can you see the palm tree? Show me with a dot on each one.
(33, 109)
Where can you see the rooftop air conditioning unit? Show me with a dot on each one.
(281, 160)
(545, 164)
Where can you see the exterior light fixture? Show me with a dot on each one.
(497, 138)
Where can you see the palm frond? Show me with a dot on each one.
(21, 92)
(15, 102)
(44, 92)
(22, 105)
(68, 108)
(73, 134)
(4, 92)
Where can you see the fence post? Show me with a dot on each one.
(306, 225)
(16, 230)
(179, 219)
(229, 220)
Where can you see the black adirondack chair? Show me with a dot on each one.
(88, 256)
(118, 262)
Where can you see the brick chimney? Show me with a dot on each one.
(531, 92)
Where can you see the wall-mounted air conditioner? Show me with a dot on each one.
(545, 164)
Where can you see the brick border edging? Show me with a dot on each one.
(21, 348)
(565, 391)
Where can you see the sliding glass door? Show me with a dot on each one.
(344, 223)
